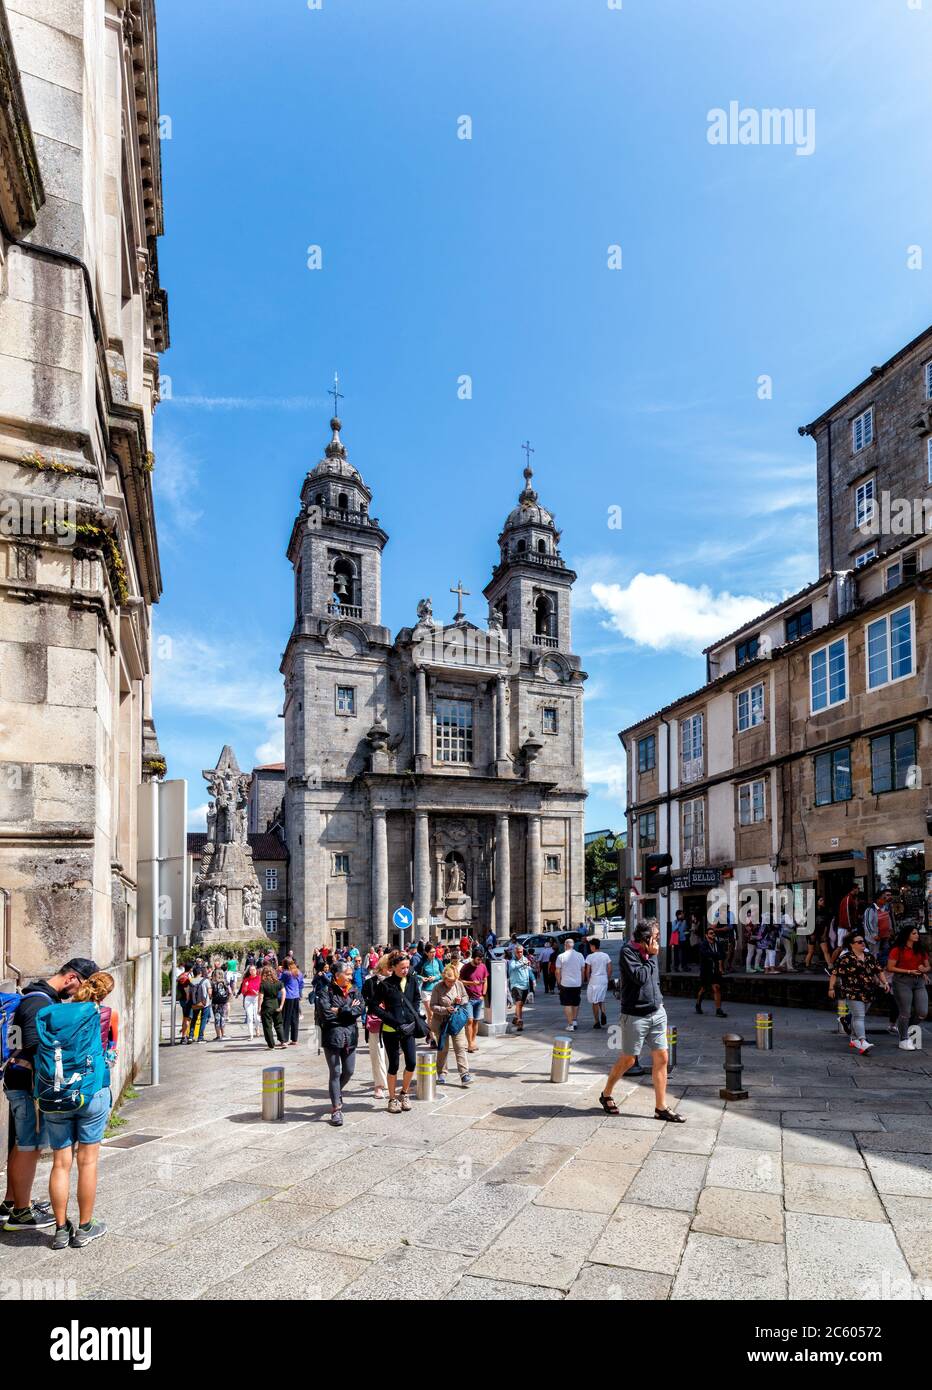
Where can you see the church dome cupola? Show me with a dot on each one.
(529, 529)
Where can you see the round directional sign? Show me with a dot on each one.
(403, 918)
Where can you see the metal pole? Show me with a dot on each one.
(671, 1048)
(174, 992)
(733, 1088)
(273, 1093)
(427, 1077)
(156, 991)
(765, 1032)
(560, 1059)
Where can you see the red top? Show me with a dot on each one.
(109, 1026)
(251, 984)
(906, 958)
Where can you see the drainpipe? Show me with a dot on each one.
(665, 722)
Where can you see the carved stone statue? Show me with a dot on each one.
(495, 620)
(221, 898)
(425, 613)
(227, 895)
(455, 880)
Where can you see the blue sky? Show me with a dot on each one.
(441, 257)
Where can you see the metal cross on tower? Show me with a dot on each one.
(336, 393)
(460, 592)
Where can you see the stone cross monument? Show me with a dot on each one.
(227, 895)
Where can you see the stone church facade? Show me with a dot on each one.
(441, 768)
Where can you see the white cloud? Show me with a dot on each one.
(176, 481)
(656, 611)
(273, 749)
(197, 817)
(194, 676)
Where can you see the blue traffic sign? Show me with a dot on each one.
(403, 918)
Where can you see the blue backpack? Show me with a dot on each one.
(69, 1061)
(8, 1006)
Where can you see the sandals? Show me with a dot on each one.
(608, 1105)
(670, 1116)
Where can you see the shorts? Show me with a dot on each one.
(185, 1008)
(708, 978)
(476, 1008)
(596, 990)
(28, 1134)
(638, 1030)
(519, 995)
(86, 1127)
(570, 994)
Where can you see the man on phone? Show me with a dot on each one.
(643, 1019)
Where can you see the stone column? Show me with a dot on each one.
(379, 920)
(502, 879)
(421, 873)
(533, 873)
(422, 730)
(502, 750)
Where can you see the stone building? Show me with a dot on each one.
(805, 761)
(876, 440)
(82, 320)
(441, 768)
(266, 797)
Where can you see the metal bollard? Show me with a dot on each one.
(273, 1093)
(560, 1059)
(671, 1048)
(765, 1032)
(427, 1077)
(843, 1012)
(733, 1089)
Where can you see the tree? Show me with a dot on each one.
(601, 873)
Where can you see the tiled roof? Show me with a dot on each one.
(264, 846)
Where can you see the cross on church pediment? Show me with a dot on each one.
(461, 594)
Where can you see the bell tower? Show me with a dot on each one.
(336, 544)
(531, 585)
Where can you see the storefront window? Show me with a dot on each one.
(902, 869)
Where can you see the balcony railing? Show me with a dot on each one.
(344, 610)
(348, 517)
(553, 561)
(542, 640)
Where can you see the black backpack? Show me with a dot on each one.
(221, 992)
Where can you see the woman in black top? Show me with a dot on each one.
(398, 1001)
(339, 1007)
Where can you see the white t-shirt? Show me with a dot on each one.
(570, 965)
(598, 963)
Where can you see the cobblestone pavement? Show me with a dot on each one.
(818, 1186)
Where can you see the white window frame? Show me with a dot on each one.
(829, 702)
(271, 921)
(927, 374)
(749, 802)
(556, 864)
(696, 818)
(335, 870)
(746, 715)
(341, 710)
(929, 460)
(887, 619)
(552, 709)
(862, 429)
(271, 880)
(896, 569)
(454, 737)
(865, 499)
(691, 766)
(864, 558)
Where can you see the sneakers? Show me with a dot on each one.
(441, 1080)
(63, 1236)
(466, 1079)
(597, 1024)
(34, 1218)
(907, 1045)
(405, 1101)
(85, 1234)
(394, 1106)
(573, 1027)
(336, 1118)
(861, 1045)
(720, 1013)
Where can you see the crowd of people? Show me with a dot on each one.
(59, 1038)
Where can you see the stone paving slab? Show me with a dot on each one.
(825, 1190)
(838, 1147)
(472, 1290)
(292, 1273)
(596, 1283)
(748, 1170)
(742, 1215)
(911, 1218)
(643, 1238)
(414, 1275)
(586, 1186)
(833, 1257)
(901, 1174)
(545, 1246)
(722, 1268)
(669, 1179)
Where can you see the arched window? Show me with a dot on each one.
(346, 587)
(542, 547)
(343, 502)
(544, 616)
(522, 545)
